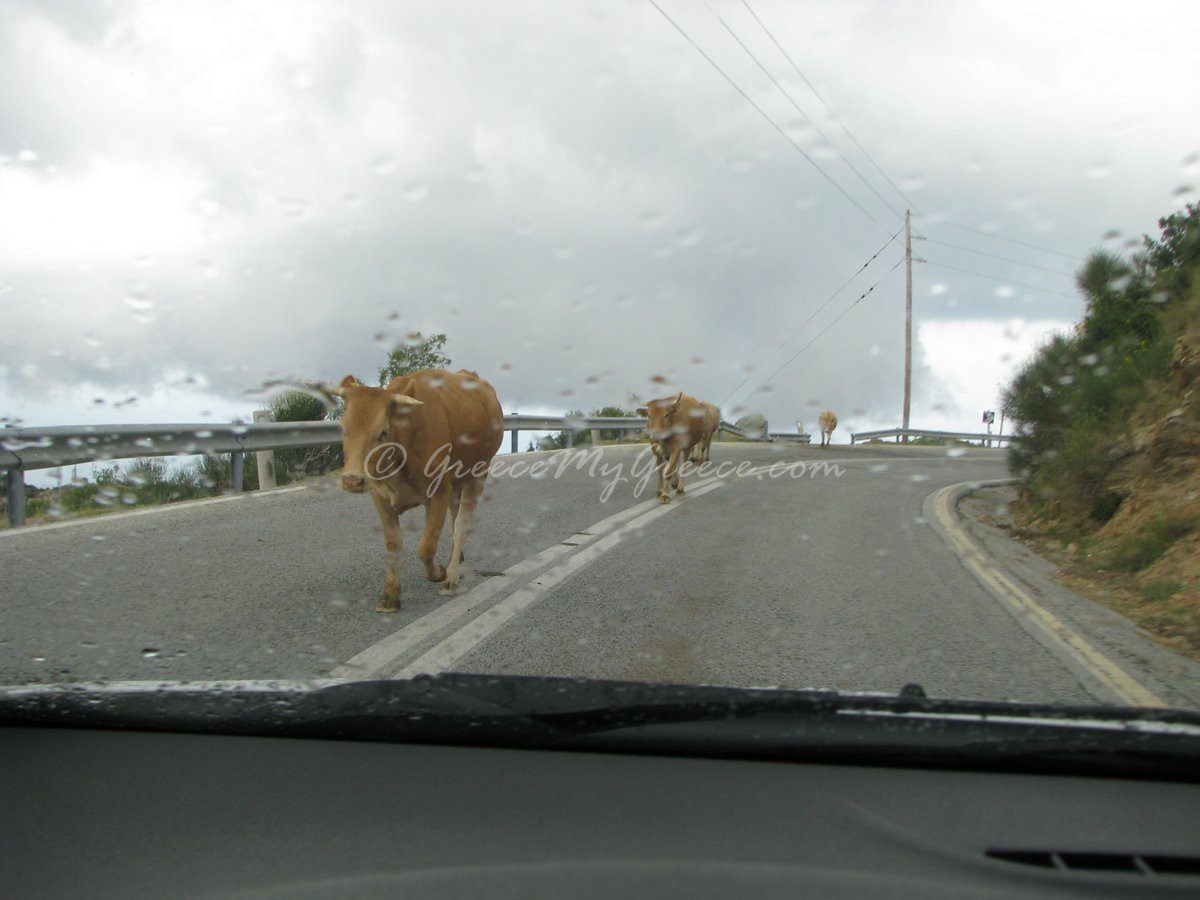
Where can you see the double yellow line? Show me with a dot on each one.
(1054, 630)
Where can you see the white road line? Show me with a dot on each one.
(385, 655)
(105, 518)
(442, 656)
(1053, 631)
(384, 658)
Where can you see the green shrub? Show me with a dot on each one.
(1105, 506)
(1161, 589)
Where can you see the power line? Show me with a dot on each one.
(861, 297)
(998, 256)
(759, 110)
(828, 109)
(796, 106)
(1001, 237)
(1032, 287)
(811, 315)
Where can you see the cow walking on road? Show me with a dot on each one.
(828, 422)
(427, 439)
(675, 425)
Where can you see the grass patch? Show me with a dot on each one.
(1144, 547)
(1160, 590)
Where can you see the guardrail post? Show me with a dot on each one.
(570, 437)
(16, 497)
(513, 447)
(595, 437)
(264, 458)
(237, 466)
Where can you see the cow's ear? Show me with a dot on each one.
(402, 403)
(340, 390)
(641, 411)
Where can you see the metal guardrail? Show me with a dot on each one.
(899, 433)
(26, 449)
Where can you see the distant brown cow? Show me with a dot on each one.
(712, 422)
(427, 439)
(828, 422)
(675, 425)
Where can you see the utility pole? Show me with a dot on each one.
(907, 320)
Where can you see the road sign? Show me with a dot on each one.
(989, 416)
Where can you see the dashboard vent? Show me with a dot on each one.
(1131, 863)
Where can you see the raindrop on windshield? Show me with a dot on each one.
(384, 165)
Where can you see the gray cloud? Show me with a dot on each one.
(577, 199)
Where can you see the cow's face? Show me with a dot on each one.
(661, 417)
(371, 421)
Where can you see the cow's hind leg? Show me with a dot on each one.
(435, 520)
(464, 524)
(393, 538)
(455, 500)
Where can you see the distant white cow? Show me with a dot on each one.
(828, 422)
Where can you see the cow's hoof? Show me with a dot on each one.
(678, 490)
(450, 585)
(435, 572)
(388, 604)
(664, 498)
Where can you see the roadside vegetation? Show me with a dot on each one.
(1109, 417)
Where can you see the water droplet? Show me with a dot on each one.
(384, 165)
(650, 220)
(138, 300)
(937, 289)
(1100, 169)
(1005, 291)
(150, 653)
(955, 452)
(416, 191)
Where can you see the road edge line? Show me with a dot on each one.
(1094, 668)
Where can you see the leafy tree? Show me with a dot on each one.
(1073, 401)
(612, 412)
(412, 354)
(1174, 256)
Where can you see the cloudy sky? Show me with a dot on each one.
(197, 198)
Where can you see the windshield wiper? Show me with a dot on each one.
(515, 711)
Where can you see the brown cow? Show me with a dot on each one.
(675, 425)
(828, 422)
(427, 439)
(712, 422)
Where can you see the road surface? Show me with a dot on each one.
(827, 575)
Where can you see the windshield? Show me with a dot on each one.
(776, 345)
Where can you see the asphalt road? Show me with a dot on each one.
(807, 579)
